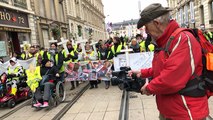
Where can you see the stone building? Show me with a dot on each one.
(193, 13)
(17, 26)
(50, 20)
(86, 19)
(126, 28)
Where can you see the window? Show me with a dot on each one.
(201, 14)
(45, 38)
(211, 9)
(41, 8)
(186, 15)
(181, 16)
(52, 9)
(61, 9)
(20, 3)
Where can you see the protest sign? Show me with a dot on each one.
(87, 70)
(137, 61)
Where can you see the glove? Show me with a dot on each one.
(11, 75)
(57, 75)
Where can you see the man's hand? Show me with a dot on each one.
(137, 72)
(144, 90)
(57, 75)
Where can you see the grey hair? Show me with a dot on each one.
(164, 19)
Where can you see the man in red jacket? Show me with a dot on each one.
(171, 71)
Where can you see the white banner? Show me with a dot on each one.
(137, 60)
(24, 63)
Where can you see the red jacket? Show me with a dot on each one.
(171, 73)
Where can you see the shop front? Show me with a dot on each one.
(14, 31)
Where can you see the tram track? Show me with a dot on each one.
(60, 114)
(124, 107)
(27, 102)
(70, 104)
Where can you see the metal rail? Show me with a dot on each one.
(124, 108)
(63, 111)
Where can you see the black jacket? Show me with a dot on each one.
(51, 71)
(103, 53)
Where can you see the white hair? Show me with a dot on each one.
(164, 19)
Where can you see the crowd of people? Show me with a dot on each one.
(55, 60)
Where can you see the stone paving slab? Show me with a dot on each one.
(143, 107)
(96, 104)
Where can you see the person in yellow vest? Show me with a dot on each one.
(56, 57)
(32, 53)
(71, 57)
(141, 42)
(90, 56)
(116, 48)
(14, 72)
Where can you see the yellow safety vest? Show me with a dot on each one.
(33, 78)
(113, 50)
(208, 37)
(142, 46)
(75, 47)
(14, 72)
(151, 47)
(91, 54)
(71, 53)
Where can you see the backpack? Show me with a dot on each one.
(207, 61)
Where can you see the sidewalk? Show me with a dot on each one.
(143, 107)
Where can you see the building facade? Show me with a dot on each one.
(50, 20)
(127, 28)
(193, 13)
(16, 26)
(86, 19)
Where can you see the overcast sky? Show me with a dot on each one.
(120, 10)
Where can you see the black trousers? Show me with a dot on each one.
(93, 83)
(73, 83)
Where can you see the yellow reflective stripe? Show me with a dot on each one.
(48, 56)
(56, 60)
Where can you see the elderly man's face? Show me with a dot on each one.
(134, 42)
(152, 28)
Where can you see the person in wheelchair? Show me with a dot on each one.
(49, 79)
(15, 73)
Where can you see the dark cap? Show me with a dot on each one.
(151, 12)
